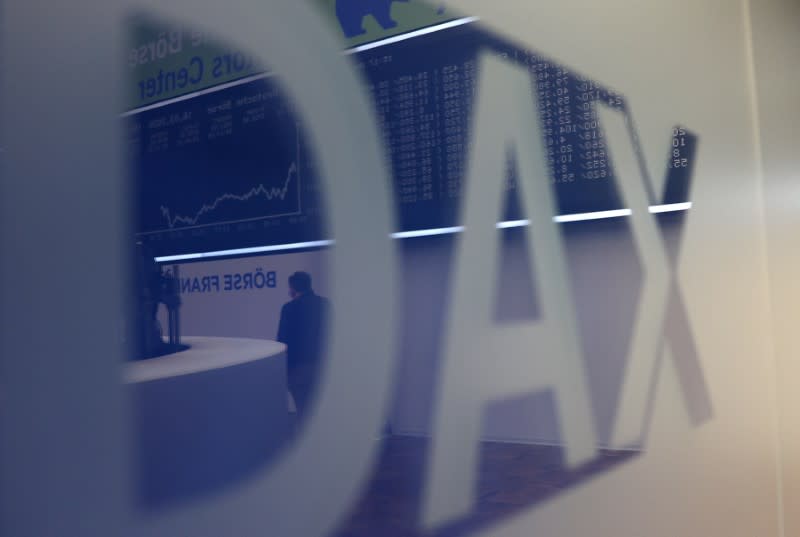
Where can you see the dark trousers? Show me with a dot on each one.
(302, 384)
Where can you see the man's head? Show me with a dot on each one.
(299, 284)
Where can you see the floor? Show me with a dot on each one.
(512, 477)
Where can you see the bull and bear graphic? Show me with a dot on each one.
(351, 14)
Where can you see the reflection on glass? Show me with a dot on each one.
(224, 171)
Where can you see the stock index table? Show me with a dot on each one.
(232, 168)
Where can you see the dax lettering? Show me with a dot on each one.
(543, 354)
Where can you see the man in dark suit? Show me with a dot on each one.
(303, 329)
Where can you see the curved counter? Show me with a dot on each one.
(207, 416)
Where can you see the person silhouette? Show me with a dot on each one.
(302, 328)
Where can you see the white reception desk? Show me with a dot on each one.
(207, 416)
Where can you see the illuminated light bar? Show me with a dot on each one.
(245, 251)
(513, 223)
(598, 215)
(411, 35)
(427, 232)
(671, 207)
(577, 217)
(212, 89)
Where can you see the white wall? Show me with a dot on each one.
(776, 40)
(252, 312)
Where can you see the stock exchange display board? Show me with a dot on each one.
(231, 167)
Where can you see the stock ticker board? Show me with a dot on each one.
(232, 168)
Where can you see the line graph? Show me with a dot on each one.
(266, 192)
(269, 193)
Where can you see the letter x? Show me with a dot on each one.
(661, 324)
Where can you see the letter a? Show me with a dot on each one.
(484, 361)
